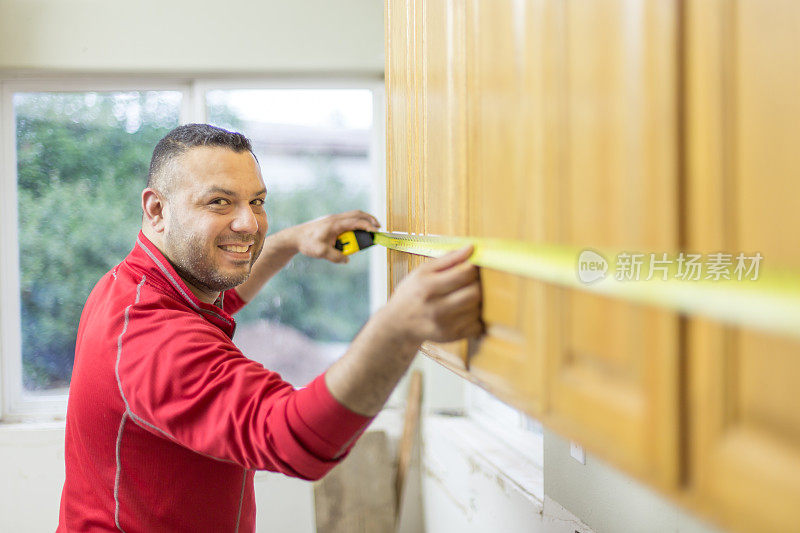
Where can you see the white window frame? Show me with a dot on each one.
(15, 405)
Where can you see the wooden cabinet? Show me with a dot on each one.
(515, 124)
(743, 141)
(644, 126)
(427, 141)
(613, 373)
(469, 90)
(399, 127)
(507, 156)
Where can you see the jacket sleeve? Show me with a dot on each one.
(183, 379)
(232, 302)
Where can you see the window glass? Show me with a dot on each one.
(82, 162)
(313, 147)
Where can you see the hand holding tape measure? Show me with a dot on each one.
(770, 303)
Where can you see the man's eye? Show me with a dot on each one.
(258, 201)
(220, 201)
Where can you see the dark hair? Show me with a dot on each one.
(188, 136)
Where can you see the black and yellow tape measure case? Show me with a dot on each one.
(350, 242)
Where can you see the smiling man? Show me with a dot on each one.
(167, 420)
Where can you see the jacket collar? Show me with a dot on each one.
(149, 261)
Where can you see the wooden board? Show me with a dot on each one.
(358, 495)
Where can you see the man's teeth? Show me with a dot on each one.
(235, 248)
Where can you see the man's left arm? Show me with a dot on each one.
(313, 239)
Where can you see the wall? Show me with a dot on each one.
(32, 463)
(607, 500)
(464, 493)
(242, 36)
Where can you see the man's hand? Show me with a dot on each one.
(318, 237)
(439, 301)
(314, 239)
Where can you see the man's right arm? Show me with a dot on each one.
(181, 377)
(439, 301)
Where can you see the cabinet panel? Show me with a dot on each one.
(399, 116)
(399, 125)
(613, 376)
(511, 149)
(443, 119)
(743, 74)
(442, 125)
(523, 127)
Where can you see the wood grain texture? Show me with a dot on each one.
(743, 78)
(642, 126)
(507, 147)
(522, 126)
(409, 436)
(613, 376)
(357, 496)
(399, 123)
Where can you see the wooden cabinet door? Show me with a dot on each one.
(511, 152)
(443, 135)
(613, 373)
(547, 121)
(743, 80)
(473, 118)
(427, 132)
(400, 122)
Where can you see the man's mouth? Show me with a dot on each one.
(237, 248)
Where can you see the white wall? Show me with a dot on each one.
(464, 493)
(197, 36)
(32, 474)
(606, 499)
(32, 467)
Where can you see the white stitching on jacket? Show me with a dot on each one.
(138, 420)
(129, 413)
(177, 285)
(241, 500)
(119, 470)
(119, 384)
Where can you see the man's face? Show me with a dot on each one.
(214, 217)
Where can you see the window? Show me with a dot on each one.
(75, 158)
(314, 150)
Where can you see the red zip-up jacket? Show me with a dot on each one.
(167, 420)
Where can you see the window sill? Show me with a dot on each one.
(31, 425)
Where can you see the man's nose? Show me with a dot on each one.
(245, 221)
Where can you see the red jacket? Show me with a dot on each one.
(167, 420)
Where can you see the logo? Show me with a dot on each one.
(592, 266)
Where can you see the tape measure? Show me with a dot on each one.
(350, 242)
(770, 302)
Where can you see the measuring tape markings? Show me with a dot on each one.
(771, 302)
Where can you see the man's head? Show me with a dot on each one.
(203, 206)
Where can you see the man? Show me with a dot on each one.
(167, 420)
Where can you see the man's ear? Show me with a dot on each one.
(153, 207)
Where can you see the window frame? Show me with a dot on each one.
(15, 405)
